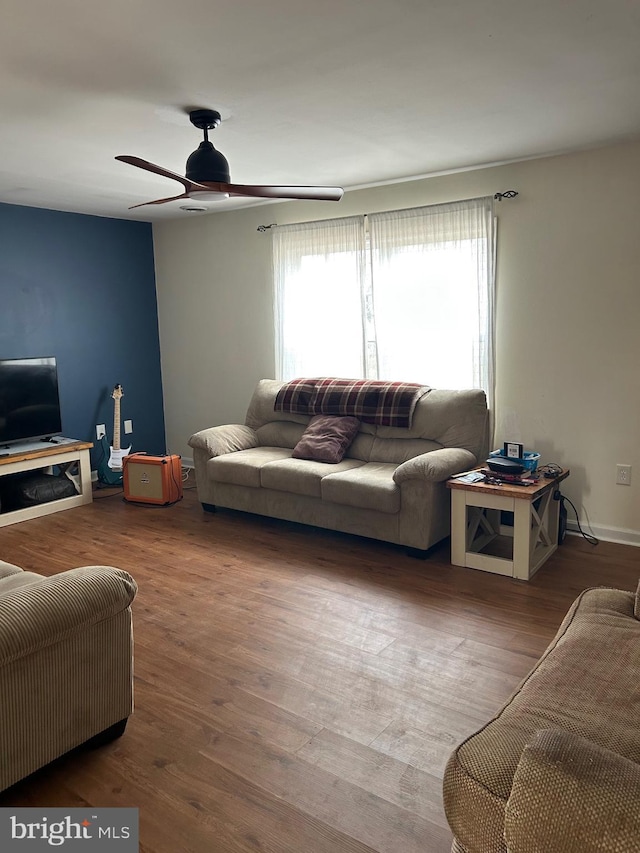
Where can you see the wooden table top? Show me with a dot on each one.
(46, 450)
(509, 490)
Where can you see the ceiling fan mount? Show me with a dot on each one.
(207, 165)
(207, 173)
(205, 119)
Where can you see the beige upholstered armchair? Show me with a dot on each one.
(572, 795)
(65, 663)
(557, 769)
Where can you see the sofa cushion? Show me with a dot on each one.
(19, 579)
(7, 569)
(280, 434)
(399, 450)
(301, 476)
(261, 405)
(326, 438)
(243, 467)
(586, 683)
(369, 486)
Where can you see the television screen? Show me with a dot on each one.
(29, 402)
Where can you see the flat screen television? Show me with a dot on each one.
(29, 401)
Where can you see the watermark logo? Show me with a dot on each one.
(72, 830)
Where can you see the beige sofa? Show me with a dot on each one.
(389, 486)
(65, 663)
(557, 770)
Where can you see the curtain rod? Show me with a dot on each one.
(497, 197)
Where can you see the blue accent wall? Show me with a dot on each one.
(82, 289)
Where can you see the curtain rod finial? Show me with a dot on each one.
(506, 194)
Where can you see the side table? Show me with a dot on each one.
(475, 525)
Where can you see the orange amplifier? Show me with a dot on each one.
(152, 479)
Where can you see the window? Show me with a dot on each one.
(405, 295)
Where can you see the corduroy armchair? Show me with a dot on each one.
(65, 663)
(557, 770)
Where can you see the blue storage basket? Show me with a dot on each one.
(529, 463)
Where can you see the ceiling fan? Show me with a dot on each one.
(207, 175)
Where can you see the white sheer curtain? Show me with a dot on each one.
(406, 295)
(319, 270)
(433, 294)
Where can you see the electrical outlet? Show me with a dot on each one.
(623, 475)
(101, 431)
(128, 427)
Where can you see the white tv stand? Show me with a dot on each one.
(33, 455)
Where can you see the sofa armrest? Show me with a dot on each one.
(570, 795)
(219, 440)
(436, 465)
(47, 611)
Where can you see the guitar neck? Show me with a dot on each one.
(116, 424)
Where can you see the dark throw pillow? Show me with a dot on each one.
(326, 438)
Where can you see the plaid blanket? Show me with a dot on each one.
(370, 400)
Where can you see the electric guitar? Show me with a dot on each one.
(110, 467)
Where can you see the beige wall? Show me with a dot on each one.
(568, 308)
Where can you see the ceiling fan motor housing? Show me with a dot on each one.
(206, 164)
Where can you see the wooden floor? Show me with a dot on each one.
(297, 690)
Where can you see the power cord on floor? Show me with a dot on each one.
(186, 477)
(185, 472)
(112, 491)
(558, 496)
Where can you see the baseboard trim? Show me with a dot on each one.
(621, 535)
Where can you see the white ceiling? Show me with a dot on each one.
(340, 92)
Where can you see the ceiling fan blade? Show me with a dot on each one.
(312, 193)
(159, 170)
(160, 200)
